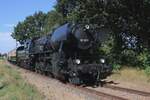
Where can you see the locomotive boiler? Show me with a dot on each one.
(70, 53)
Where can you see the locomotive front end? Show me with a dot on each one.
(90, 72)
(88, 66)
(96, 70)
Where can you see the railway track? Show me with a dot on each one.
(106, 95)
(138, 92)
(99, 93)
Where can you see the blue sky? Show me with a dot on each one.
(13, 11)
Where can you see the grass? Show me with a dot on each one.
(132, 75)
(13, 87)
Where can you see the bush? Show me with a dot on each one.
(116, 67)
(147, 70)
(143, 59)
(128, 57)
(1, 58)
(107, 46)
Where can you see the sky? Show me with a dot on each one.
(13, 11)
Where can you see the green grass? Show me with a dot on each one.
(13, 87)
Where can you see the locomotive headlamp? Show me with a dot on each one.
(78, 61)
(87, 27)
(102, 61)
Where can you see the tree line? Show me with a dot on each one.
(129, 21)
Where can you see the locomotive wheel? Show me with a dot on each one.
(42, 66)
(37, 70)
(49, 70)
(55, 66)
(71, 78)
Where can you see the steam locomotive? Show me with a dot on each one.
(70, 53)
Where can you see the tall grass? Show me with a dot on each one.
(13, 87)
(131, 75)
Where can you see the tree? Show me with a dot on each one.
(128, 16)
(53, 20)
(32, 26)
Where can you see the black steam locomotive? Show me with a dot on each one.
(70, 53)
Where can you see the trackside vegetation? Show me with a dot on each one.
(13, 87)
(128, 20)
(131, 75)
